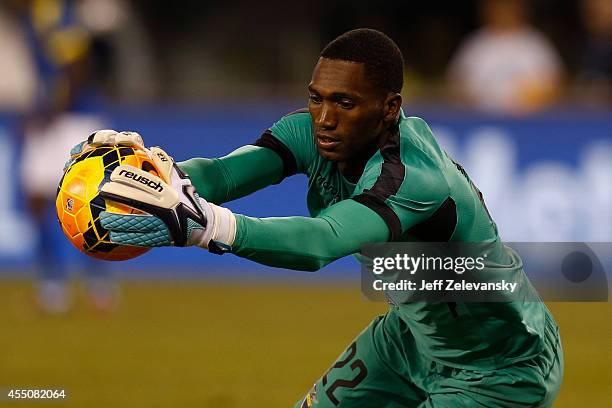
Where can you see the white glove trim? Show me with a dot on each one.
(223, 228)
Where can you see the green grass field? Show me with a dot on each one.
(198, 344)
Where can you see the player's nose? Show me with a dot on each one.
(326, 119)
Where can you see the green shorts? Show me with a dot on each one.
(361, 378)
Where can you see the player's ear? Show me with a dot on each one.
(392, 106)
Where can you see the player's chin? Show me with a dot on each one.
(334, 155)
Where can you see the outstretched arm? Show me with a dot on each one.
(177, 216)
(242, 172)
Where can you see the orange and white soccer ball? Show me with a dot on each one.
(79, 204)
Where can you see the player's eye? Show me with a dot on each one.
(314, 98)
(346, 104)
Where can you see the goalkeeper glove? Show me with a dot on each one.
(176, 215)
(106, 137)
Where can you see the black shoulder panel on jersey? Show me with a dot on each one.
(377, 204)
(271, 142)
(387, 184)
(440, 226)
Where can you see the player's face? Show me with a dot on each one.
(349, 114)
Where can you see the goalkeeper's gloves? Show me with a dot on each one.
(106, 137)
(176, 215)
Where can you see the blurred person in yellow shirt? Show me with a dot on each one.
(65, 105)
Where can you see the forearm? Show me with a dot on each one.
(304, 243)
(240, 173)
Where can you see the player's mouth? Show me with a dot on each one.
(326, 142)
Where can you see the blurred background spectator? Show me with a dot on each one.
(507, 65)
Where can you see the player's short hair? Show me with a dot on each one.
(384, 63)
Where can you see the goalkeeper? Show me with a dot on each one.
(375, 175)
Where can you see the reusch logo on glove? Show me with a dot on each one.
(142, 180)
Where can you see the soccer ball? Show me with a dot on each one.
(79, 204)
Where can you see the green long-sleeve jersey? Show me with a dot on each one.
(410, 190)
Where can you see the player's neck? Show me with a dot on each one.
(385, 135)
(352, 170)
